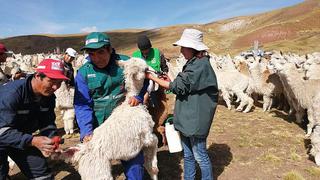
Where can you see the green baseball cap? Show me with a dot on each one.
(96, 40)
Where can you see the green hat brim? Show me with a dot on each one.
(95, 45)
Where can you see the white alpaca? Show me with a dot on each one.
(304, 91)
(264, 83)
(315, 136)
(3, 77)
(277, 62)
(312, 67)
(64, 101)
(231, 82)
(126, 132)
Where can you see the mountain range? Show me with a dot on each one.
(291, 29)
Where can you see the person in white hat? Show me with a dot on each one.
(68, 57)
(196, 92)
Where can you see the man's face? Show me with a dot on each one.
(46, 86)
(100, 57)
(3, 57)
(145, 52)
(68, 58)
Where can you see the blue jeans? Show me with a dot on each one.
(133, 169)
(194, 149)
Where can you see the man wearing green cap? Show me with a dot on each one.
(99, 88)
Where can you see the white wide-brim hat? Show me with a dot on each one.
(71, 52)
(192, 38)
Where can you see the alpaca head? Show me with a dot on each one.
(252, 63)
(134, 74)
(277, 63)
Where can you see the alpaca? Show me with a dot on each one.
(315, 135)
(265, 83)
(304, 91)
(231, 82)
(311, 67)
(277, 61)
(127, 131)
(3, 77)
(64, 101)
(165, 106)
(315, 142)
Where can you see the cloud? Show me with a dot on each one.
(89, 29)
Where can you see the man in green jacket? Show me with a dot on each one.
(152, 56)
(156, 99)
(99, 88)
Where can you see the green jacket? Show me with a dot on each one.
(106, 87)
(197, 97)
(153, 58)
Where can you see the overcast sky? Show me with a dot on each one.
(25, 17)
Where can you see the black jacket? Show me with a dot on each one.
(69, 73)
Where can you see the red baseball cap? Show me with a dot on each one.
(52, 68)
(3, 49)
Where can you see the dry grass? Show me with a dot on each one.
(294, 155)
(293, 175)
(314, 171)
(270, 158)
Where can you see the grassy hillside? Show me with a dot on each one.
(294, 29)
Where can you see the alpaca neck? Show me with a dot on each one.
(256, 74)
(133, 89)
(297, 85)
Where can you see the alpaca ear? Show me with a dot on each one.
(121, 63)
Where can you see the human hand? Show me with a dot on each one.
(44, 144)
(134, 101)
(165, 77)
(87, 138)
(149, 75)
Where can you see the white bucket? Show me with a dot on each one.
(173, 138)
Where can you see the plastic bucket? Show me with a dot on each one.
(173, 138)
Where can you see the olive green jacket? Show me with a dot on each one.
(197, 97)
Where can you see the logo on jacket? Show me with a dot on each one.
(56, 66)
(153, 60)
(91, 75)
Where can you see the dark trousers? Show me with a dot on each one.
(30, 161)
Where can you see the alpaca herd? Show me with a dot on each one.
(289, 79)
(276, 77)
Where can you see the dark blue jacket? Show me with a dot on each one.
(21, 114)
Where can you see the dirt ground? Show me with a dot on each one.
(253, 146)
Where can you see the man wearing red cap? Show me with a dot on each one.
(3, 53)
(3, 57)
(27, 106)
